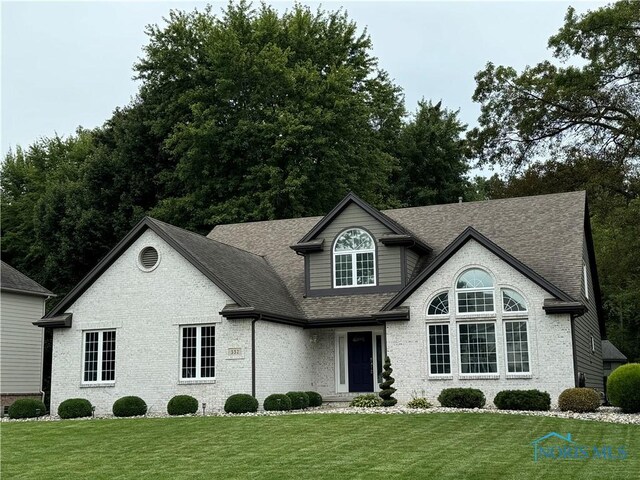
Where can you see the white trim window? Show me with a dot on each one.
(354, 259)
(197, 352)
(477, 344)
(517, 346)
(99, 356)
(585, 280)
(439, 305)
(474, 292)
(439, 349)
(513, 302)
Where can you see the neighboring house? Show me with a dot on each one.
(21, 303)
(495, 295)
(612, 358)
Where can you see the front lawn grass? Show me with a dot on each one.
(320, 446)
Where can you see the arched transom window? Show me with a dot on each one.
(439, 305)
(354, 259)
(474, 291)
(512, 301)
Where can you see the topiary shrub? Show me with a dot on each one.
(27, 408)
(387, 391)
(315, 399)
(75, 408)
(182, 405)
(299, 400)
(462, 398)
(579, 400)
(623, 388)
(277, 402)
(131, 406)
(522, 400)
(241, 403)
(368, 400)
(419, 402)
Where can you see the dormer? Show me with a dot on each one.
(356, 249)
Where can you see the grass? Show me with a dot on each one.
(442, 446)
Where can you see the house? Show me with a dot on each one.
(496, 295)
(21, 303)
(612, 358)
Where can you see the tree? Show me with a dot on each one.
(387, 391)
(431, 156)
(587, 104)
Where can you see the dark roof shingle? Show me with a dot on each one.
(12, 279)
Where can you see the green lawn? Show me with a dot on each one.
(438, 446)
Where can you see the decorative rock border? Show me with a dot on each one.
(604, 414)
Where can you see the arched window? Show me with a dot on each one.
(512, 301)
(354, 259)
(474, 291)
(439, 305)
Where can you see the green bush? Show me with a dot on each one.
(241, 403)
(386, 389)
(462, 398)
(419, 402)
(27, 408)
(129, 407)
(75, 408)
(182, 405)
(579, 400)
(277, 402)
(299, 400)
(623, 388)
(315, 399)
(522, 400)
(366, 401)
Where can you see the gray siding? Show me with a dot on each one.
(412, 260)
(587, 361)
(20, 343)
(388, 258)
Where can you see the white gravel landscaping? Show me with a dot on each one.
(604, 414)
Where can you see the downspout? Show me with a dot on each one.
(253, 355)
(573, 317)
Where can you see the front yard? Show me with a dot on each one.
(441, 446)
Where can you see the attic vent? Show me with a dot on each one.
(148, 258)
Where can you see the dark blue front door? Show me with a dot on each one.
(360, 362)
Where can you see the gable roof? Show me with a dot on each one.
(544, 232)
(12, 280)
(242, 275)
(610, 353)
(470, 233)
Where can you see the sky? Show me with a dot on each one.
(69, 64)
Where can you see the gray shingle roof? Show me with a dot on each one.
(544, 232)
(12, 279)
(611, 354)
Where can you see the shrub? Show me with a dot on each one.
(241, 403)
(623, 388)
(27, 408)
(522, 400)
(366, 401)
(579, 400)
(299, 400)
(418, 402)
(277, 402)
(386, 390)
(75, 408)
(315, 399)
(129, 407)
(462, 398)
(182, 405)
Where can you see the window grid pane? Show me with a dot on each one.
(439, 305)
(108, 356)
(517, 347)
(344, 270)
(478, 348)
(513, 301)
(475, 301)
(207, 352)
(189, 350)
(364, 269)
(91, 357)
(439, 354)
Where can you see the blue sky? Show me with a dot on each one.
(66, 64)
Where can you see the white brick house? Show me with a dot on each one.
(492, 295)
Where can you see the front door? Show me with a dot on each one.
(360, 362)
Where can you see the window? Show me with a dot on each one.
(475, 292)
(99, 364)
(585, 280)
(512, 302)
(354, 259)
(439, 354)
(478, 348)
(439, 305)
(593, 344)
(198, 352)
(517, 346)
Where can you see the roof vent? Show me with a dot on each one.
(148, 258)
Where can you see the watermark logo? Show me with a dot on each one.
(554, 446)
